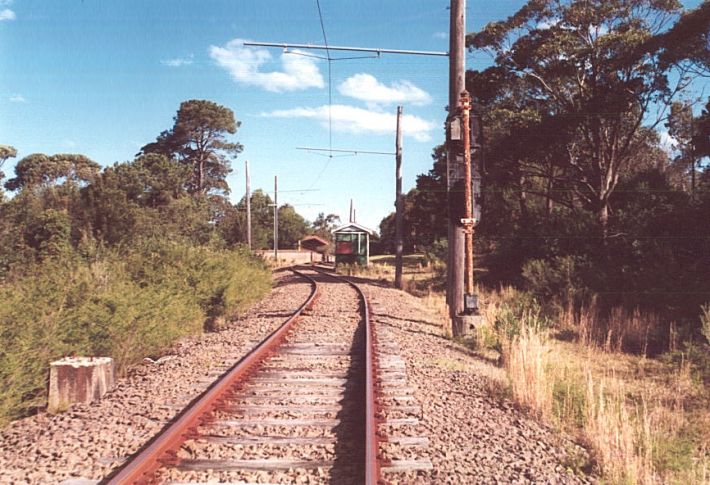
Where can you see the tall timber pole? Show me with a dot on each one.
(454, 163)
(399, 205)
(248, 197)
(276, 220)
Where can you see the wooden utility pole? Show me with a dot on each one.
(454, 162)
(248, 197)
(399, 206)
(276, 220)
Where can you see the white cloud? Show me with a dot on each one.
(17, 98)
(667, 142)
(6, 3)
(547, 24)
(178, 61)
(7, 14)
(351, 119)
(245, 65)
(441, 35)
(366, 87)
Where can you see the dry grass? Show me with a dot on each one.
(526, 359)
(644, 420)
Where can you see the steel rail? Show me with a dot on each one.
(372, 445)
(164, 446)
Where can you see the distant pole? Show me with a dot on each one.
(398, 202)
(276, 220)
(350, 218)
(455, 260)
(246, 171)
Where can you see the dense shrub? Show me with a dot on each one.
(125, 305)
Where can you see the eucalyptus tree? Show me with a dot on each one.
(581, 94)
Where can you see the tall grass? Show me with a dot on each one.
(526, 360)
(641, 428)
(125, 305)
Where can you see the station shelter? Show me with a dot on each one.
(315, 244)
(352, 244)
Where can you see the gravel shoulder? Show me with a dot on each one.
(474, 436)
(88, 441)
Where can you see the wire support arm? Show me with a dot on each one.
(344, 48)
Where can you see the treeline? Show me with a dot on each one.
(121, 261)
(581, 200)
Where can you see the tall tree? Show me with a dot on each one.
(569, 67)
(199, 140)
(682, 127)
(292, 226)
(6, 152)
(39, 170)
(323, 224)
(701, 137)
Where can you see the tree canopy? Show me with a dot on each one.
(198, 139)
(566, 80)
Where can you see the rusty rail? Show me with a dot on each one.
(163, 448)
(372, 463)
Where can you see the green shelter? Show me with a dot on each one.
(352, 244)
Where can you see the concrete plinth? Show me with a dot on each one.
(78, 379)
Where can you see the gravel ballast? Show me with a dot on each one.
(88, 441)
(473, 437)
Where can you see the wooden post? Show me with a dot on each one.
(455, 260)
(276, 220)
(78, 380)
(248, 197)
(399, 206)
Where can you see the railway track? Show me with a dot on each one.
(318, 401)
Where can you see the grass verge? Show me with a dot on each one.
(127, 305)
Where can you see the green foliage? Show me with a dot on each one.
(43, 170)
(292, 227)
(520, 309)
(568, 278)
(198, 140)
(127, 305)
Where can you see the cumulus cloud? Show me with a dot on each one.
(17, 98)
(178, 61)
(366, 87)
(351, 119)
(7, 14)
(247, 65)
(668, 143)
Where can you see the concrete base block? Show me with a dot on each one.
(472, 321)
(78, 379)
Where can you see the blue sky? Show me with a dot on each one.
(105, 77)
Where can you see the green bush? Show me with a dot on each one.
(125, 305)
(518, 308)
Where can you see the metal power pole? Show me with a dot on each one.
(455, 260)
(248, 197)
(399, 206)
(276, 220)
